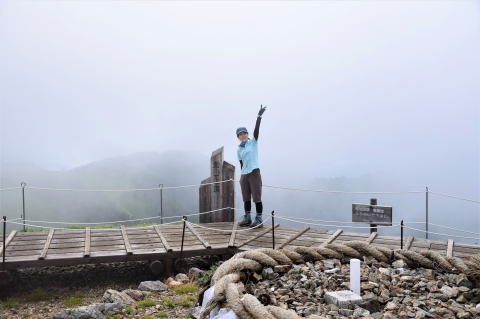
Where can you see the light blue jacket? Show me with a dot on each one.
(248, 154)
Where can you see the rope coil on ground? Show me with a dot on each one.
(228, 277)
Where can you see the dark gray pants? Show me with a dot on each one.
(251, 185)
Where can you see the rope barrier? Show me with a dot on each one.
(124, 190)
(441, 234)
(455, 197)
(338, 192)
(443, 226)
(106, 229)
(227, 230)
(127, 220)
(337, 226)
(10, 188)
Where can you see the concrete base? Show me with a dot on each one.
(345, 299)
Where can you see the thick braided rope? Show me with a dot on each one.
(229, 289)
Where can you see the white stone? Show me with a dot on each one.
(343, 298)
(355, 275)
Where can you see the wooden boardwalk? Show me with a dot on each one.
(82, 246)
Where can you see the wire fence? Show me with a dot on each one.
(292, 219)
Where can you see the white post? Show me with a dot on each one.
(355, 276)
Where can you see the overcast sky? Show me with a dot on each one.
(352, 87)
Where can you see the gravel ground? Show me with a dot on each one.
(42, 292)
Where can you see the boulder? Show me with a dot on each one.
(155, 285)
(114, 296)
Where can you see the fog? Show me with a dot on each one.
(360, 95)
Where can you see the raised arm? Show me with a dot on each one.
(259, 119)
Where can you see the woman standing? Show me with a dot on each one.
(250, 180)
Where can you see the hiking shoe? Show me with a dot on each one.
(257, 223)
(247, 221)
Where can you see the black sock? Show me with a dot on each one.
(259, 208)
(248, 207)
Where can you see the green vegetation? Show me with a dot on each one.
(169, 302)
(146, 303)
(186, 288)
(37, 295)
(10, 303)
(25, 314)
(74, 301)
(187, 301)
(204, 278)
(129, 310)
(148, 317)
(162, 314)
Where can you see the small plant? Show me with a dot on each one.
(186, 288)
(37, 295)
(169, 302)
(147, 317)
(204, 277)
(25, 315)
(10, 303)
(73, 301)
(146, 303)
(186, 302)
(129, 310)
(162, 314)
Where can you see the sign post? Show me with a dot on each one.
(372, 214)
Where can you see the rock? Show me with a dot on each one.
(399, 264)
(182, 278)
(267, 273)
(110, 306)
(330, 263)
(92, 311)
(360, 312)
(449, 291)
(156, 285)
(281, 268)
(173, 283)
(478, 307)
(114, 296)
(135, 294)
(391, 306)
(371, 305)
(343, 299)
(332, 271)
(195, 312)
(345, 312)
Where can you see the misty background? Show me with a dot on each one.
(360, 95)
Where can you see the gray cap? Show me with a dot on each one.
(241, 130)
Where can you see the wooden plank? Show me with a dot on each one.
(163, 239)
(409, 242)
(372, 237)
(269, 229)
(126, 242)
(86, 253)
(7, 241)
(200, 238)
(450, 248)
(43, 254)
(332, 237)
(231, 242)
(295, 236)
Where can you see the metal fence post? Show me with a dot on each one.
(273, 229)
(23, 184)
(426, 212)
(161, 203)
(4, 233)
(183, 233)
(401, 234)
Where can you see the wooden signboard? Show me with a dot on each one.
(372, 214)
